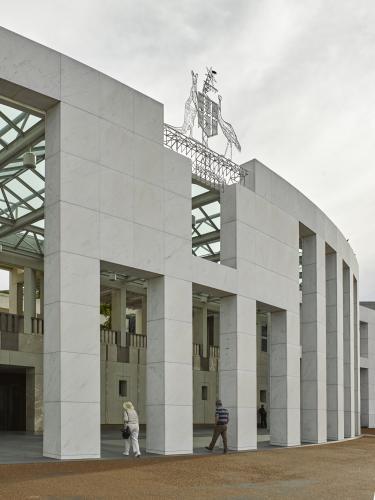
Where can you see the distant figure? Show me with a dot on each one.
(263, 417)
(221, 423)
(131, 420)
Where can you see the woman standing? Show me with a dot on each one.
(131, 420)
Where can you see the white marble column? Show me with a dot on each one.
(349, 412)
(118, 312)
(204, 331)
(237, 370)
(169, 378)
(285, 358)
(371, 375)
(41, 294)
(357, 389)
(72, 287)
(14, 307)
(335, 347)
(138, 321)
(144, 315)
(29, 299)
(313, 340)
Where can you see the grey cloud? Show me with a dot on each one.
(297, 80)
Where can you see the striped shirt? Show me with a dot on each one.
(222, 416)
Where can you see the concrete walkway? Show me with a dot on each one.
(24, 447)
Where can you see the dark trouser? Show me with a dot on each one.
(263, 422)
(219, 429)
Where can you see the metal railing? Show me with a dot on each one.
(211, 167)
(197, 349)
(136, 340)
(37, 326)
(110, 337)
(11, 323)
(214, 351)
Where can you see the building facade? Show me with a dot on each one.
(367, 366)
(254, 298)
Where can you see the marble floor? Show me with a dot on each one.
(24, 447)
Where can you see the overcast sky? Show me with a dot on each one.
(297, 79)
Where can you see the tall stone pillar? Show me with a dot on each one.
(29, 299)
(138, 321)
(285, 357)
(349, 408)
(41, 294)
(237, 369)
(144, 315)
(204, 331)
(335, 348)
(169, 377)
(72, 286)
(357, 389)
(118, 312)
(313, 339)
(14, 296)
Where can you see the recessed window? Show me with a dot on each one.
(263, 396)
(123, 388)
(204, 393)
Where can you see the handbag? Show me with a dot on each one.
(126, 432)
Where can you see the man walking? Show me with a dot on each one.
(221, 423)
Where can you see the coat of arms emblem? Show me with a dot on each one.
(209, 113)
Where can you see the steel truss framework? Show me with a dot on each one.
(206, 225)
(214, 169)
(211, 171)
(21, 188)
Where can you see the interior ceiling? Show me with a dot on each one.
(22, 188)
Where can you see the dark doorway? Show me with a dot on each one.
(12, 399)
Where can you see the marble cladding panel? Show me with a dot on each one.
(116, 102)
(63, 271)
(116, 194)
(177, 173)
(177, 417)
(66, 381)
(120, 248)
(29, 64)
(148, 117)
(177, 215)
(178, 260)
(79, 133)
(79, 85)
(80, 426)
(117, 148)
(64, 181)
(240, 437)
(148, 161)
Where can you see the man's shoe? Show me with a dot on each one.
(138, 455)
(208, 448)
(126, 454)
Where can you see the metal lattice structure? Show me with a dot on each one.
(212, 168)
(21, 188)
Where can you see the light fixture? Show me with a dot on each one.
(204, 298)
(29, 160)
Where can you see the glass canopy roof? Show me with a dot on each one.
(22, 187)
